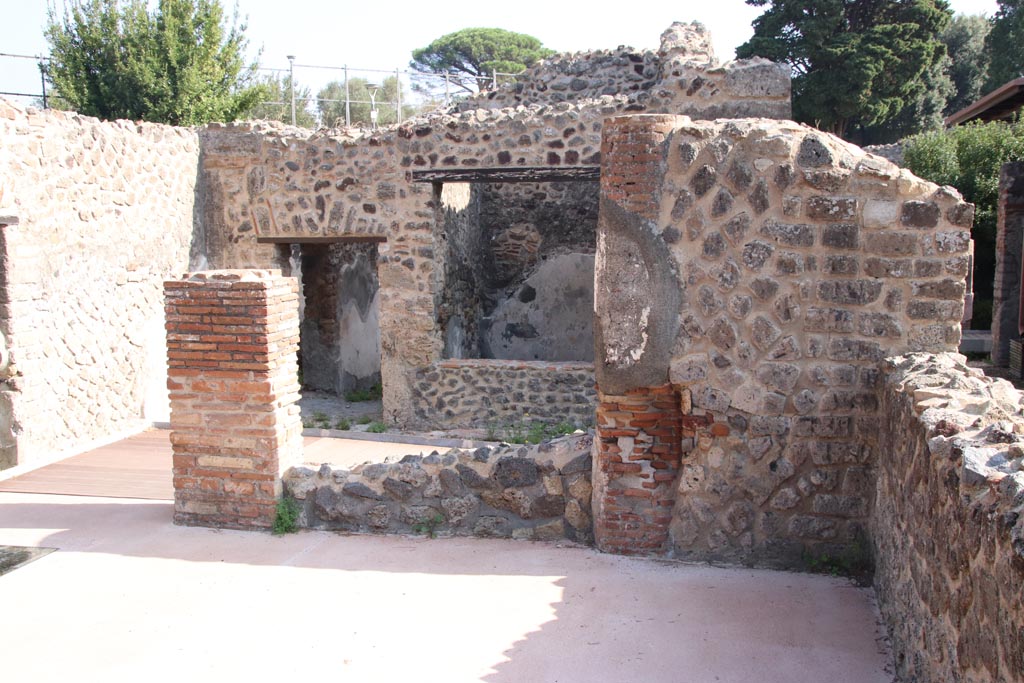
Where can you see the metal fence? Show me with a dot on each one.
(360, 97)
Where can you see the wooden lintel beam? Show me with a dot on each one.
(521, 174)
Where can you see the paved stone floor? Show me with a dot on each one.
(128, 596)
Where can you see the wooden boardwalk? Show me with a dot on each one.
(140, 466)
(137, 467)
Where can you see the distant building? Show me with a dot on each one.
(999, 105)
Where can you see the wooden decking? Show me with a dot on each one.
(140, 466)
(137, 467)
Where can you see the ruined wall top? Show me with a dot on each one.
(681, 77)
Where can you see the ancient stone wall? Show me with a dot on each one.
(758, 272)
(946, 525)
(104, 213)
(528, 492)
(503, 394)
(262, 184)
(681, 77)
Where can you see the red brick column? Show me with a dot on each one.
(232, 342)
(637, 458)
(631, 156)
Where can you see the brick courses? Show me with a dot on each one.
(232, 340)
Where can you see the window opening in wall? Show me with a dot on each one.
(519, 269)
(339, 335)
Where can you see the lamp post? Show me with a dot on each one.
(291, 83)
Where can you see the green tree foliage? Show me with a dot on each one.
(854, 61)
(923, 112)
(1004, 44)
(180, 64)
(478, 52)
(964, 39)
(277, 105)
(331, 102)
(968, 157)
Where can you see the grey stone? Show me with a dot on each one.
(805, 401)
(840, 506)
(684, 200)
(816, 528)
(756, 254)
(741, 175)
(703, 180)
(764, 333)
(854, 349)
(780, 377)
(790, 234)
(892, 243)
(722, 203)
(515, 472)
(722, 334)
(841, 236)
(740, 305)
(451, 483)
(785, 174)
(824, 208)
(841, 265)
(787, 309)
(857, 292)
(785, 499)
(759, 447)
(764, 288)
(737, 227)
(360, 490)
(547, 506)
(918, 214)
(456, 510)
(714, 245)
(888, 267)
(939, 289)
(398, 489)
(710, 398)
(688, 369)
(759, 198)
(728, 276)
(379, 516)
(581, 463)
(492, 525)
(813, 153)
(473, 480)
(878, 325)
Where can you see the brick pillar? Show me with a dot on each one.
(631, 161)
(639, 428)
(232, 342)
(638, 449)
(1006, 289)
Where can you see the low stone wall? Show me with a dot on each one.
(946, 527)
(503, 394)
(531, 492)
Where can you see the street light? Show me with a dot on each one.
(291, 83)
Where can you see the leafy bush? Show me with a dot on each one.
(374, 393)
(286, 519)
(377, 428)
(969, 157)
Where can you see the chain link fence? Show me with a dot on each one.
(303, 94)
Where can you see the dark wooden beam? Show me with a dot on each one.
(520, 174)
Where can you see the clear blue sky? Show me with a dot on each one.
(381, 35)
